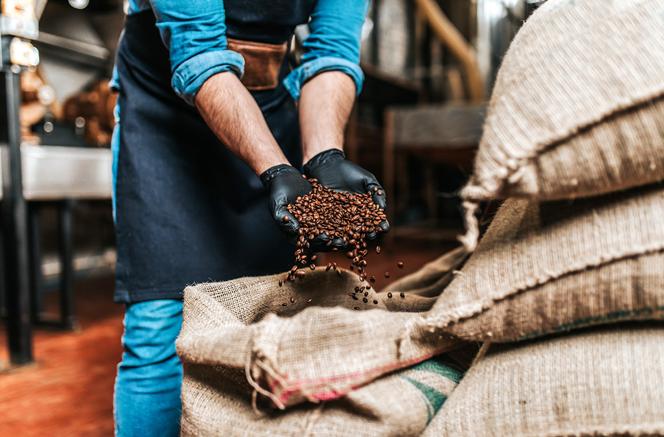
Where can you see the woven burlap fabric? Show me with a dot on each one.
(425, 285)
(578, 105)
(215, 403)
(599, 382)
(544, 267)
(305, 340)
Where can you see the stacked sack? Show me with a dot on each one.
(574, 141)
(298, 359)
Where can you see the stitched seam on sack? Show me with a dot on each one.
(489, 303)
(546, 144)
(586, 128)
(654, 429)
(588, 321)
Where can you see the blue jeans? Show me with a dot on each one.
(148, 384)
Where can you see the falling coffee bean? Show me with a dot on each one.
(400, 264)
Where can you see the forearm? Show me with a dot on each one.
(235, 118)
(324, 108)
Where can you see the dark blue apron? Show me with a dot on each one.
(187, 210)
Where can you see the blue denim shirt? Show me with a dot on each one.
(195, 33)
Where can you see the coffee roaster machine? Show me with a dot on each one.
(32, 176)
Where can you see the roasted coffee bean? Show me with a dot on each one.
(377, 249)
(308, 300)
(345, 216)
(312, 266)
(292, 300)
(387, 274)
(400, 264)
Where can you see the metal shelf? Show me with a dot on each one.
(55, 172)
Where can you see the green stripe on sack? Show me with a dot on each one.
(435, 398)
(437, 365)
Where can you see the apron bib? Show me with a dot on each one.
(187, 209)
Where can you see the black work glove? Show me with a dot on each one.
(335, 172)
(284, 184)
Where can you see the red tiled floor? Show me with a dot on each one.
(68, 392)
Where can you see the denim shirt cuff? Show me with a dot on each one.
(296, 78)
(189, 76)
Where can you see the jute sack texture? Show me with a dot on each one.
(578, 105)
(607, 382)
(545, 267)
(216, 402)
(305, 341)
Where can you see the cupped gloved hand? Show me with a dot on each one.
(284, 184)
(334, 171)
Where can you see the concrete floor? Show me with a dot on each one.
(68, 391)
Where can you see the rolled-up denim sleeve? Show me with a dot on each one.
(333, 43)
(195, 33)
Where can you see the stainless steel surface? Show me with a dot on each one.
(51, 173)
(85, 48)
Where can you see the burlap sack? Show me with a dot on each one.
(601, 382)
(307, 340)
(555, 266)
(578, 105)
(216, 403)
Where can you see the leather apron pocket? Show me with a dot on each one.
(262, 62)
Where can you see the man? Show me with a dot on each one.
(205, 154)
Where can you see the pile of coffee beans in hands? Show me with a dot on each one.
(334, 220)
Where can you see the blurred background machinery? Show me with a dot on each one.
(429, 66)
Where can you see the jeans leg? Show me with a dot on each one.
(148, 383)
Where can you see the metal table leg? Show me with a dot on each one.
(14, 223)
(66, 254)
(36, 277)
